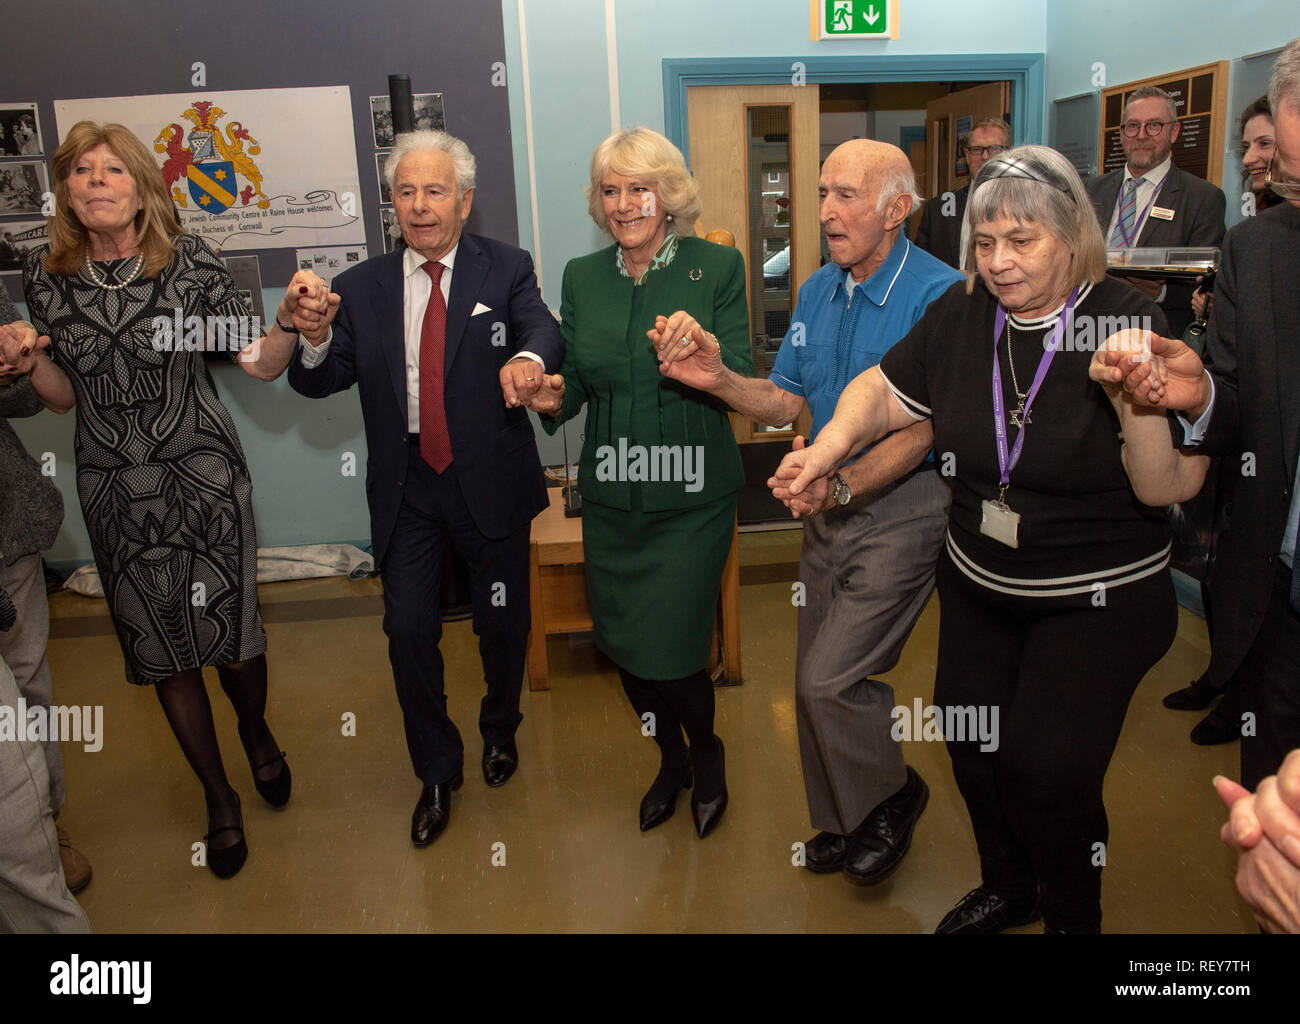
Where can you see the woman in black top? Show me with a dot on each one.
(1054, 589)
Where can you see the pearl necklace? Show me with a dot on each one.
(136, 266)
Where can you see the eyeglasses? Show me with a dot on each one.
(1150, 128)
(1286, 189)
(986, 151)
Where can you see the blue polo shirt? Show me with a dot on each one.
(832, 339)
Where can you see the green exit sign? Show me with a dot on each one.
(848, 19)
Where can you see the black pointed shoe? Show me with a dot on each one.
(983, 912)
(660, 801)
(707, 813)
(433, 810)
(499, 763)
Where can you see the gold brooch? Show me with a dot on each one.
(696, 274)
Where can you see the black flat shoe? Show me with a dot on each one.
(824, 853)
(225, 861)
(1196, 696)
(707, 813)
(983, 912)
(275, 790)
(656, 809)
(1214, 729)
(499, 763)
(881, 842)
(433, 810)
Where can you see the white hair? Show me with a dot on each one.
(427, 141)
(896, 181)
(1284, 87)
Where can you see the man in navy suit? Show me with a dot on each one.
(446, 339)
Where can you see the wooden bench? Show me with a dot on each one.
(557, 584)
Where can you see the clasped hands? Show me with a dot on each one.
(1264, 829)
(19, 349)
(802, 482)
(685, 350)
(1152, 372)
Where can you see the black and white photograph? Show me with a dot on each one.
(385, 193)
(22, 186)
(20, 133)
(16, 237)
(330, 260)
(246, 272)
(392, 233)
(428, 114)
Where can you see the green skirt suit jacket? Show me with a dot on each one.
(659, 468)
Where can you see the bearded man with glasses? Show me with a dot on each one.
(1150, 202)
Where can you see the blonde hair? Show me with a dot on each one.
(644, 153)
(156, 224)
(1036, 185)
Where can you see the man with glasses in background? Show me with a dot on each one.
(1149, 202)
(939, 230)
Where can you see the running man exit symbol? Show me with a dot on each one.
(855, 18)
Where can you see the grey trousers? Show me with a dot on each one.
(868, 571)
(23, 647)
(33, 895)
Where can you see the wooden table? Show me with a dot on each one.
(557, 585)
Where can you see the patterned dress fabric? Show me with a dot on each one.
(162, 478)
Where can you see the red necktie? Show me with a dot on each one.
(435, 442)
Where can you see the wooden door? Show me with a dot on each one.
(949, 118)
(732, 165)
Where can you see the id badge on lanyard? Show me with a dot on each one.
(998, 520)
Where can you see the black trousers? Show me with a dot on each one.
(433, 511)
(1059, 672)
(1270, 686)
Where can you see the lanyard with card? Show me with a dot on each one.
(1159, 212)
(998, 521)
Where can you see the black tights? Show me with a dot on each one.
(678, 704)
(184, 700)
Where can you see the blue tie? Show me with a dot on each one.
(1127, 214)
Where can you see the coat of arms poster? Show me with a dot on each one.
(251, 169)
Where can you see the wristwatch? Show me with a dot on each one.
(843, 495)
(291, 329)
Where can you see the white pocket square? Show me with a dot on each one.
(480, 308)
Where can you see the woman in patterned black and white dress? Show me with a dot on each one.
(162, 478)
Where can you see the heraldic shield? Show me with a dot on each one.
(213, 185)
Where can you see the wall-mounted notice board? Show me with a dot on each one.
(1201, 96)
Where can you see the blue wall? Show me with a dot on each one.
(294, 447)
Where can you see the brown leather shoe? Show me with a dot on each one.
(76, 868)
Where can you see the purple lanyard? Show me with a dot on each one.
(1007, 462)
(1137, 224)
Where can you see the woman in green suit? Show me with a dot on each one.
(659, 469)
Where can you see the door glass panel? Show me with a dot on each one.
(771, 290)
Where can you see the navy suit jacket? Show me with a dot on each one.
(1198, 207)
(494, 449)
(938, 235)
(1253, 352)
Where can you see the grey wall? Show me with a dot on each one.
(68, 49)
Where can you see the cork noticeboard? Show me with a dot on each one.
(1201, 96)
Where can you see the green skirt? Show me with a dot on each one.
(653, 580)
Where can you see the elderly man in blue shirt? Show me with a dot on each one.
(872, 541)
